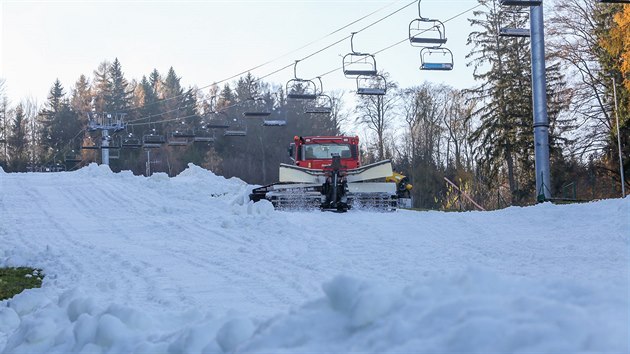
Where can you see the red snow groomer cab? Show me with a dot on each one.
(327, 174)
(316, 152)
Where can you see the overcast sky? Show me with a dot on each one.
(207, 41)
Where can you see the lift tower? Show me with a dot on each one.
(106, 122)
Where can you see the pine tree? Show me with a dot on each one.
(226, 97)
(172, 87)
(102, 87)
(17, 140)
(46, 120)
(147, 98)
(81, 100)
(119, 98)
(59, 123)
(55, 96)
(155, 80)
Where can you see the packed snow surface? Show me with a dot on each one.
(189, 265)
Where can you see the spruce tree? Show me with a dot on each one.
(102, 87)
(172, 86)
(46, 120)
(17, 140)
(119, 99)
(81, 100)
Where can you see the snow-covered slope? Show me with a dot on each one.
(187, 264)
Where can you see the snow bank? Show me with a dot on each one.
(94, 170)
(189, 265)
(473, 311)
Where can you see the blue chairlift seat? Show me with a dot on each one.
(436, 59)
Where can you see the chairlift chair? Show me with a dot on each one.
(427, 32)
(301, 89)
(152, 140)
(252, 111)
(187, 133)
(514, 32)
(274, 123)
(505, 31)
(91, 145)
(322, 105)
(131, 141)
(217, 126)
(437, 59)
(371, 85)
(255, 114)
(113, 148)
(235, 133)
(204, 139)
(114, 153)
(520, 2)
(178, 138)
(58, 167)
(218, 120)
(238, 128)
(356, 63)
(72, 157)
(204, 135)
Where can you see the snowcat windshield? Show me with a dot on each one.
(325, 151)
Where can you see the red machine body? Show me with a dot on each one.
(316, 152)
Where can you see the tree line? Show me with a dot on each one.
(481, 137)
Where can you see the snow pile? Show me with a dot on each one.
(76, 324)
(94, 170)
(189, 265)
(475, 311)
(216, 185)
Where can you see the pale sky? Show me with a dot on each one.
(207, 40)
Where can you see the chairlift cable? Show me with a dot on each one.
(404, 40)
(292, 64)
(288, 53)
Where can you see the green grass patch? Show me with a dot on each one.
(14, 280)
